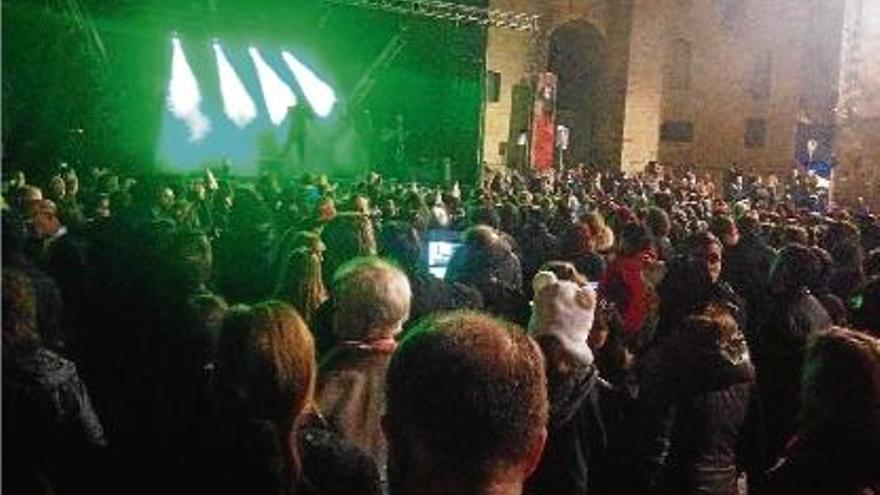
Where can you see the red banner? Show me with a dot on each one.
(544, 122)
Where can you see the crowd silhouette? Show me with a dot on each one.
(594, 333)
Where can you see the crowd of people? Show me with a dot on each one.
(595, 333)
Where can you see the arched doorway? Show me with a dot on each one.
(578, 57)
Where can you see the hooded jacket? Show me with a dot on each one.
(700, 412)
(576, 435)
(49, 423)
(780, 360)
(496, 272)
(623, 283)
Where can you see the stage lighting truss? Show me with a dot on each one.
(449, 11)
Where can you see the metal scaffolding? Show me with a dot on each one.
(449, 11)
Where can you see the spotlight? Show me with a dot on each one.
(277, 95)
(184, 97)
(320, 95)
(237, 103)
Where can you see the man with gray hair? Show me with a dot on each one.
(372, 300)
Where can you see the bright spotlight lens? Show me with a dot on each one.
(320, 95)
(237, 103)
(184, 97)
(277, 95)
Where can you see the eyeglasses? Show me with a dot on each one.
(713, 258)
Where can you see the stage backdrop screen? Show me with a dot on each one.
(163, 85)
(252, 106)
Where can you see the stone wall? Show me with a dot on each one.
(644, 92)
(518, 55)
(732, 80)
(757, 69)
(858, 110)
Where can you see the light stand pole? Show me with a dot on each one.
(562, 138)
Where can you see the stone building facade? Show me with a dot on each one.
(704, 82)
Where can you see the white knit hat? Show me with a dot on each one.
(565, 310)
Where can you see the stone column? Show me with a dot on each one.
(641, 125)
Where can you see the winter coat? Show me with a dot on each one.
(591, 265)
(746, 267)
(333, 466)
(537, 245)
(431, 294)
(782, 343)
(700, 413)
(687, 289)
(497, 274)
(249, 456)
(351, 395)
(244, 263)
(665, 250)
(50, 307)
(624, 285)
(827, 465)
(52, 439)
(576, 436)
(65, 262)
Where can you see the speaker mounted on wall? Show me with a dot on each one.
(493, 86)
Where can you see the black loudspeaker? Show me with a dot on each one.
(493, 86)
(521, 106)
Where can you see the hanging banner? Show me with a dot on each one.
(544, 122)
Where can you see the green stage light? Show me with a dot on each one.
(276, 94)
(184, 98)
(237, 103)
(320, 95)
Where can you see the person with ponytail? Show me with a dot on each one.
(271, 438)
(302, 282)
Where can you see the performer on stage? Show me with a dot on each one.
(298, 118)
(394, 143)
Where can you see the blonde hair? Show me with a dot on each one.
(603, 234)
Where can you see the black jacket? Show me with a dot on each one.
(686, 290)
(746, 268)
(249, 456)
(779, 356)
(51, 434)
(576, 437)
(700, 413)
(828, 463)
(538, 245)
(495, 272)
(431, 294)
